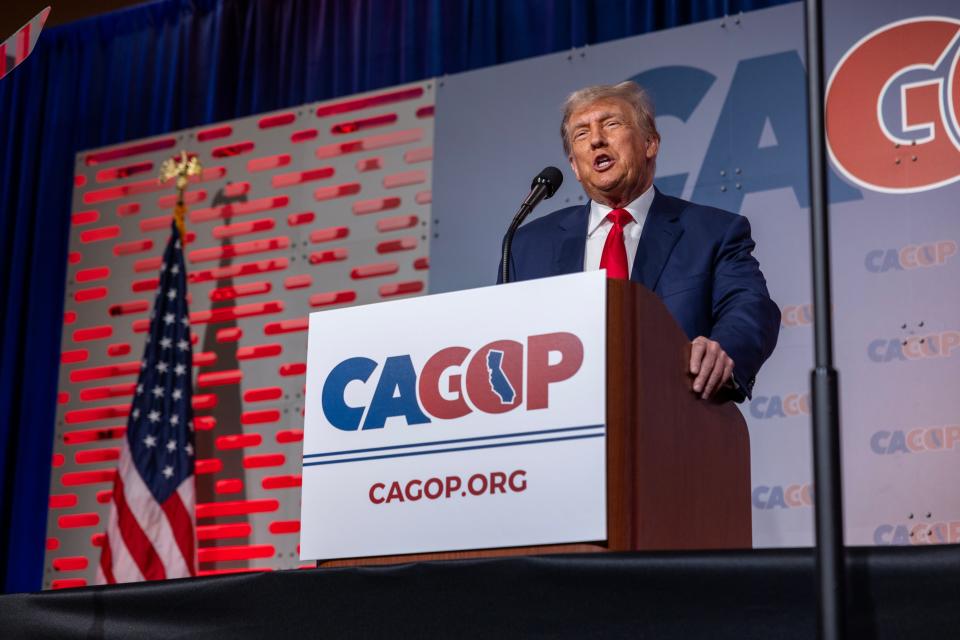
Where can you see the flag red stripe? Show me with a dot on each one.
(182, 527)
(106, 562)
(136, 541)
(24, 44)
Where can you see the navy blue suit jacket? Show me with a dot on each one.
(697, 259)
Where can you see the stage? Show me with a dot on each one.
(894, 593)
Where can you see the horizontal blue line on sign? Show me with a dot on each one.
(436, 451)
(458, 441)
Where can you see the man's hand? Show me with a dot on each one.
(710, 364)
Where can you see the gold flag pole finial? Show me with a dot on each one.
(182, 168)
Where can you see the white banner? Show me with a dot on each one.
(466, 420)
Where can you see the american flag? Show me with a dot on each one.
(151, 533)
(17, 47)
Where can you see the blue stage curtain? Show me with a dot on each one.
(182, 63)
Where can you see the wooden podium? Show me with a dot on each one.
(678, 467)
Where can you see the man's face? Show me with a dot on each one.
(612, 157)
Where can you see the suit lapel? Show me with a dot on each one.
(573, 233)
(660, 234)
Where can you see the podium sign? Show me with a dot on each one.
(466, 420)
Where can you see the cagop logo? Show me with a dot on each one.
(491, 379)
(916, 534)
(916, 440)
(934, 345)
(796, 315)
(911, 256)
(776, 406)
(791, 496)
(892, 107)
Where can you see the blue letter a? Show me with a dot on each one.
(396, 395)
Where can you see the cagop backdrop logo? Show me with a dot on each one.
(892, 107)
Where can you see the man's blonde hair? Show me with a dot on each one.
(629, 91)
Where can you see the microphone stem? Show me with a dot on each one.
(538, 192)
(518, 218)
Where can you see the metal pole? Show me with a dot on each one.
(831, 567)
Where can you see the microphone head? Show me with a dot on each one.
(551, 178)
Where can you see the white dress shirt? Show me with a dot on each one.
(598, 227)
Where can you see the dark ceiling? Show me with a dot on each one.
(16, 13)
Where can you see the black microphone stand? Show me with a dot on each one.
(518, 219)
(544, 186)
(830, 553)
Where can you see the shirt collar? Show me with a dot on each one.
(638, 209)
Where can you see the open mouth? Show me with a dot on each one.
(602, 162)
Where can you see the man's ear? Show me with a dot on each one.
(653, 147)
(573, 167)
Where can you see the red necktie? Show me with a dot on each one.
(614, 256)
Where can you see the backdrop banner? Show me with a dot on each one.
(730, 98)
(387, 194)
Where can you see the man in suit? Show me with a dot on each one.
(697, 259)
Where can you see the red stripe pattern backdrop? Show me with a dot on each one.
(318, 207)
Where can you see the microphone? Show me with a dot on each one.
(543, 186)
